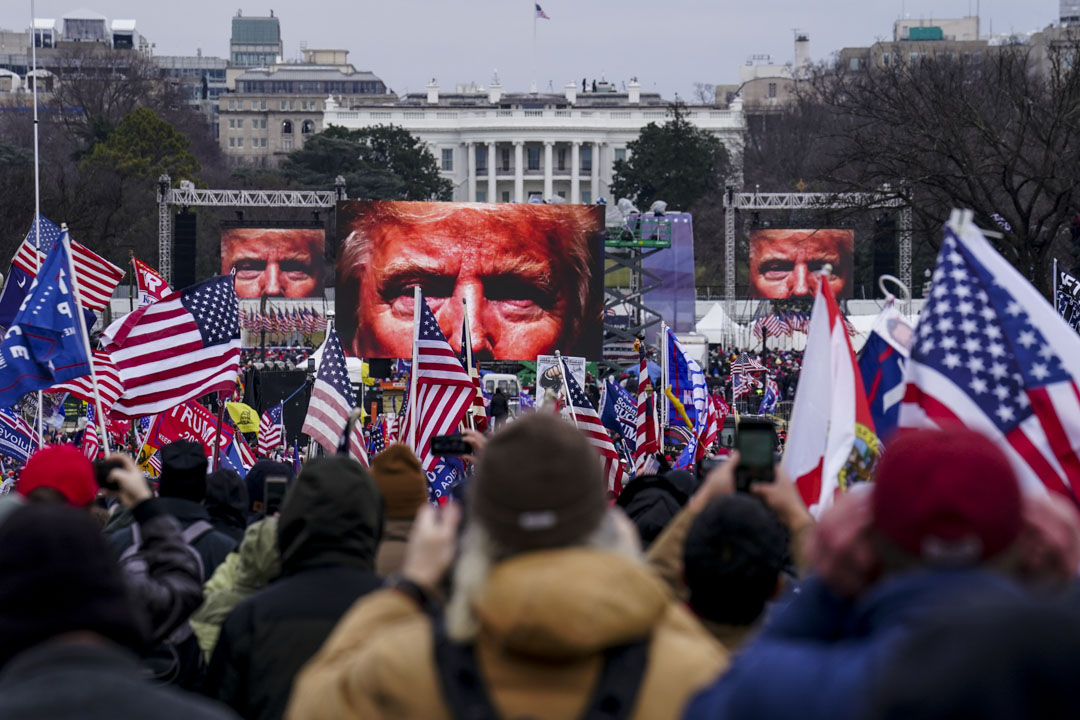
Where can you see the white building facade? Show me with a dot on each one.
(521, 146)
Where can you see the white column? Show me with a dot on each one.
(491, 173)
(548, 145)
(575, 168)
(519, 171)
(595, 171)
(470, 150)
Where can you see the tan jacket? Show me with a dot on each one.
(545, 619)
(390, 555)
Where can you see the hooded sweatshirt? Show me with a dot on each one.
(327, 533)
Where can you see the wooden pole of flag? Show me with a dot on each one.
(564, 370)
(418, 297)
(222, 396)
(101, 419)
(662, 404)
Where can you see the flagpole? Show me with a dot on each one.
(468, 358)
(532, 6)
(564, 370)
(37, 200)
(66, 240)
(1055, 285)
(663, 415)
(217, 433)
(418, 297)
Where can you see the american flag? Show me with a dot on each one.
(246, 456)
(177, 349)
(785, 326)
(746, 364)
(586, 419)
(648, 443)
(444, 391)
(540, 14)
(478, 410)
(97, 276)
(91, 443)
(710, 429)
(378, 439)
(270, 431)
(332, 399)
(109, 384)
(742, 384)
(991, 353)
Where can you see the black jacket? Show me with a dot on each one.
(499, 405)
(329, 528)
(74, 680)
(212, 547)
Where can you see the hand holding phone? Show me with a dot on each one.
(756, 443)
(450, 445)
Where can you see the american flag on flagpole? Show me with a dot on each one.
(540, 14)
(91, 443)
(177, 349)
(378, 439)
(109, 384)
(332, 399)
(97, 276)
(586, 419)
(270, 431)
(746, 364)
(648, 442)
(444, 391)
(991, 353)
(478, 410)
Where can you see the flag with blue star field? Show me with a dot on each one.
(270, 431)
(990, 352)
(45, 344)
(22, 274)
(588, 422)
(332, 399)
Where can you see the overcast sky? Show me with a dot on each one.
(668, 44)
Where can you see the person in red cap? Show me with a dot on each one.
(944, 526)
(57, 474)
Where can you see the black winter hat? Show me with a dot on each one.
(59, 577)
(183, 471)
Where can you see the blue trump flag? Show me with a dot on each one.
(44, 345)
(20, 277)
(17, 439)
(618, 412)
(881, 364)
(449, 471)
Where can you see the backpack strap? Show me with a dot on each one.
(136, 536)
(467, 697)
(196, 530)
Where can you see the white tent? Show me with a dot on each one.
(716, 325)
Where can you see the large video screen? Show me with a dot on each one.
(784, 262)
(531, 275)
(277, 262)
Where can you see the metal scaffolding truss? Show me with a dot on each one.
(734, 201)
(187, 195)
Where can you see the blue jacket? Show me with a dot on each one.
(818, 656)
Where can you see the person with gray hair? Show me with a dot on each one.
(552, 611)
(525, 271)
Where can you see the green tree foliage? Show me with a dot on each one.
(675, 162)
(145, 146)
(384, 162)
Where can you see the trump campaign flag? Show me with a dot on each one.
(881, 364)
(990, 352)
(831, 439)
(177, 349)
(17, 439)
(45, 344)
(151, 286)
(1067, 297)
(618, 412)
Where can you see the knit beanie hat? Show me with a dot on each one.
(183, 471)
(539, 484)
(401, 481)
(59, 577)
(948, 497)
(63, 468)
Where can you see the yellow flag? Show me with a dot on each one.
(243, 416)
(679, 407)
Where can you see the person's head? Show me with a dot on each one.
(401, 481)
(944, 498)
(275, 262)
(183, 471)
(58, 474)
(783, 263)
(525, 271)
(539, 485)
(60, 578)
(733, 558)
(652, 501)
(227, 497)
(255, 480)
(332, 515)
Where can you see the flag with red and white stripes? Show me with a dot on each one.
(97, 276)
(91, 443)
(177, 349)
(332, 400)
(708, 430)
(444, 391)
(648, 443)
(270, 432)
(149, 283)
(990, 352)
(586, 419)
(478, 410)
(109, 384)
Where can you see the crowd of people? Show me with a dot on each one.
(942, 589)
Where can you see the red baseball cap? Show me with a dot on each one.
(63, 468)
(949, 496)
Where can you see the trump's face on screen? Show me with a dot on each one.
(785, 263)
(274, 262)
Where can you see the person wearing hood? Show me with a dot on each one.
(652, 501)
(256, 484)
(553, 613)
(327, 533)
(403, 486)
(227, 502)
(251, 568)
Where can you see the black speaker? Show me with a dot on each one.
(379, 368)
(184, 249)
(885, 249)
(273, 386)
